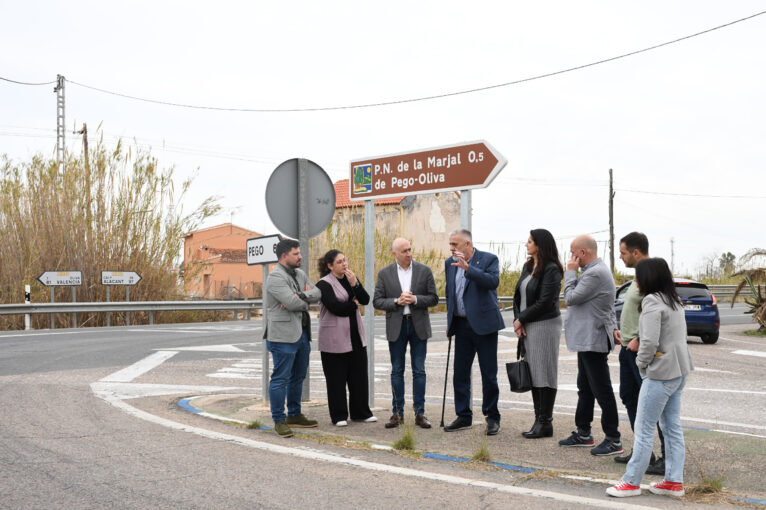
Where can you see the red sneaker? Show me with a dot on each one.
(666, 488)
(624, 490)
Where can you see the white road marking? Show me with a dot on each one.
(758, 354)
(211, 348)
(698, 369)
(138, 390)
(740, 341)
(136, 369)
(321, 456)
(224, 375)
(236, 370)
(746, 392)
(739, 433)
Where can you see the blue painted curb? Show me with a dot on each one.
(507, 467)
(185, 404)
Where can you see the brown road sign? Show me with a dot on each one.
(454, 167)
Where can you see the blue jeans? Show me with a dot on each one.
(398, 351)
(291, 362)
(469, 344)
(658, 400)
(630, 387)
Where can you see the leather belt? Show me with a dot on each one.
(407, 316)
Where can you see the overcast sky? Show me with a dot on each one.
(684, 119)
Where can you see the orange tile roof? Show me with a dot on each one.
(342, 200)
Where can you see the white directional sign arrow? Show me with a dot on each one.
(120, 278)
(53, 278)
(262, 250)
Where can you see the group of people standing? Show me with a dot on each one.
(654, 358)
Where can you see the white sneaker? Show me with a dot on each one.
(371, 419)
(341, 423)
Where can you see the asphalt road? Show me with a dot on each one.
(71, 436)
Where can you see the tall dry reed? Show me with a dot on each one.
(116, 210)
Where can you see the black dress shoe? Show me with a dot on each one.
(458, 424)
(656, 467)
(493, 427)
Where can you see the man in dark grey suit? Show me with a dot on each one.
(405, 290)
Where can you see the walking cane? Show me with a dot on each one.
(446, 371)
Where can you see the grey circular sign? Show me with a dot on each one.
(282, 197)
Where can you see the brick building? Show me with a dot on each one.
(215, 264)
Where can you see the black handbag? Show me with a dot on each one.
(518, 371)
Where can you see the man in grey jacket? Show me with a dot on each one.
(286, 296)
(591, 331)
(405, 290)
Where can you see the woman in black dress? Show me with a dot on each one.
(538, 322)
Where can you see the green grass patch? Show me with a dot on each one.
(407, 440)
(256, 424)
(756, 332)
(482, 452)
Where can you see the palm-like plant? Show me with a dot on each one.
(758, 303)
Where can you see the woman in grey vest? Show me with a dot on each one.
(538, 322)
(341, 340)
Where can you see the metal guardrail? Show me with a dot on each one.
(246, 306)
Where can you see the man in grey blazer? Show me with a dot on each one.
(286, 297)
(405, 290)
(591, 331)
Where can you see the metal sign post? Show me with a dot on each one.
(126, 278)
(53, 300)
(369, 280)
(74, 300)
(263, 251)
(265, 355)
(55, 279)
(303, 238)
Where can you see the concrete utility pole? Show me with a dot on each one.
(611, 222)
(88, 219)
(672, 256)
(60, 122)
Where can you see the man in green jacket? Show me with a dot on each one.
(634, 247)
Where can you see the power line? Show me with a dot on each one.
(696, 195)
(26, 82)
(423, 98)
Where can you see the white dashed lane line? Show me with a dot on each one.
(758, 354)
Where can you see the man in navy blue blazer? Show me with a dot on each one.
(473, 317)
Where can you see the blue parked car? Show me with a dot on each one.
(700, 306)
